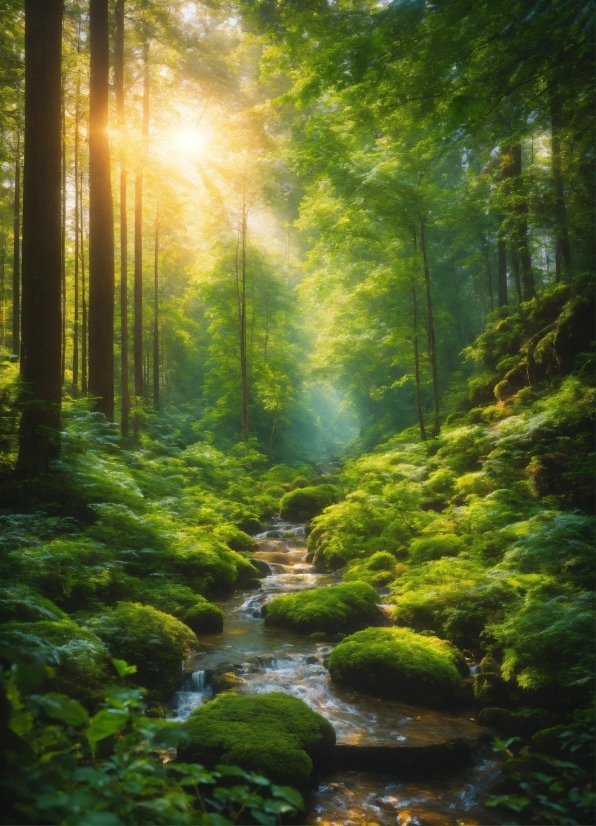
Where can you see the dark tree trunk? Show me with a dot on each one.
(516, 274)
(502, 272)
(120, 103)
(521, 228)
(562, 248)
(2, 290)
(75, 330)
(432, 345)
(241, 296)
(63, 239)
(156, 317)
(16, 269)
(417, 369)
(101, 217)
(40, 365)
(138, 275)
(84, 325)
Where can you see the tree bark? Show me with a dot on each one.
(502, 272)
(156, 316)
(138, 275)
(16, 268)
(84, 325)
(2, 291)
(516, 273)
(40, 366)
(120, 110)
(521, 239)
(241, 296)
(562, 248)
(432, 345)
(75, 331)
(63, 239)
(101, 217)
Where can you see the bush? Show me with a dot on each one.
(275, 733)
(153, 641)
(379, 569)
(304, 503)
(426, 548)
(398, 664)
(331, 609)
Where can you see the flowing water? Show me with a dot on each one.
(279, 660)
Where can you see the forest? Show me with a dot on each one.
(297, 412)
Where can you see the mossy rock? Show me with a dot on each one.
(379, 569)
(330, 609)
(398, 664)
(203, 617)
(250, 525)
(274, 734)
(299, 482)
(522, 721)
(150, 639)
(228, 681)
(304, 503)
(427, 548)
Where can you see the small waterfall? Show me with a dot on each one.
(197, 680)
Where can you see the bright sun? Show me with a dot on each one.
(190, 141)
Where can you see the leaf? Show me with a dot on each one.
(123, 668)
(105, 723)
(60, 707)
(288, 793)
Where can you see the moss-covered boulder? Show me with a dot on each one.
(331, 609)
(203, 617)
(304, 503)
(153, 641)
(228, 681)
(275, 734)
(398, 664)
(379, 569)
(183, 603)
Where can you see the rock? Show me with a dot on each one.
(262, 567)
(304, 503)
(226, 682)
(490, 690)
(250, 525)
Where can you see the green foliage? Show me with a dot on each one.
(426, 548)
(331, 609)
(379, 569)
(397, 664)
(275, 733)
(153, 641)
(54, 772)
(306, 502)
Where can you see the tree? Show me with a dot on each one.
(101, 217)
(40, 367)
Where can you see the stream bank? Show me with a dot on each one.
(394, 763)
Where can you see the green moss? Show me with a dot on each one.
(304, 503)
(330, 609)
(426, 548)
(228, 681)
(379, 569)
(183, 603)
(398, 664)
(150, 639)
(275, 734)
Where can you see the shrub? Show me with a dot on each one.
(398, 664)
(153, 641)
(426, 548)
(331, 609)
(275, 733)
(379, 569)
(304, 503)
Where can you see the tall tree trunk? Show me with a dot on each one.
(501, 272)
(138, 277)
(156, 316)
(16, 268)
(417, 369)
(521, 227)
(63, 237)
(432, 344)
(40, 365)
(75, 330)
(2, 291)
(101, 217)
(516, 273)
(120, 109)
(562, 248)
(84, 325)
(241, 297)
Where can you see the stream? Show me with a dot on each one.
(279, 660)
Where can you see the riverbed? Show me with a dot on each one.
(278, 660)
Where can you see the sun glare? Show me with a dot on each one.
(190, 141)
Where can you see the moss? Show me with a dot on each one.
(307, 502)
(203, 617)
(427, 548)
(228, 681)
(275, 734)
(150, 639)
(183, 603)
(379, 569)
(330, 609)
(398, 664)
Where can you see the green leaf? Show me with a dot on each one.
(288, 793)
(105, 723)
(123, 668)
(60, 707)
